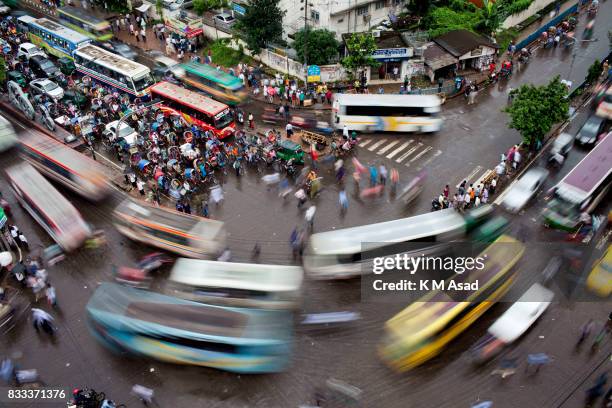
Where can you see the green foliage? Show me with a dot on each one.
(489, 18)
(202, 6)
(441, 20)
(360, 48)
(535, 109)
(320, 46)
(159, 8)
(509, 7)
(593, 72)
(2, 69)
(224, 55)
(504, 37)
(261, 24)
(418, 7)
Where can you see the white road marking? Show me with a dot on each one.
(430, 159)
(399, 149)
(365, 142)
(471, 175)
(408, 153)
(428, 148)
(375, 145)
(387, 147)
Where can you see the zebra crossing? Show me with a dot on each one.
(401, 151)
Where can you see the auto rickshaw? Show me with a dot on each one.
(75, 97)
(491, 230)
(66, 66)
(288, 150)
(17, 77)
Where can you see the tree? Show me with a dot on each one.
(202, 6)
(535, 109)
(261, 24)
(319, 46)
(360, 48)
(489, 17)
(593, 72)
(159, 8)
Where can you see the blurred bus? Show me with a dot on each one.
(219, 85)
(195, 108)
(56, 39)
(348, 252)
(48, 207)
(426, 327)
(85, 23)
(113, 70)
(174, 330)
(582, 189)
(177, 232)
(8, 137)
(387, 113)
(236, 284)
(59, 162)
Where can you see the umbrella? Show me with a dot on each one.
(143, 163)
(6, 258)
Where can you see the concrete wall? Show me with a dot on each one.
(515, 19)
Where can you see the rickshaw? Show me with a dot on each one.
(66, 66)
(288, 150)
(17, 77)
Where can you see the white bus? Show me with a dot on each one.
(236, 284)
(388, 113)
(48, 207)
(118, 72)
(8, 138)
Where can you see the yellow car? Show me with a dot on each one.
(600, 278)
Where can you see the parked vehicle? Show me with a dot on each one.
(524, 190)
(46, 87)
(125, 132)
(43, 67)
(28, 50)
(225, 18)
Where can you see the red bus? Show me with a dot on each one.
(195, 108)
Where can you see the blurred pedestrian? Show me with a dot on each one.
(50, 294)
(343, 199)
(143, 393)
(251, 121)
(309, 217)
(586, 330)
(140, 185)
(205, 209)
(42, 320)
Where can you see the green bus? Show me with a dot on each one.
(223, 87)
(91, 26)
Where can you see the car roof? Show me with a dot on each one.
(39, 58)
(41, 80)
(594, 119)
(224, 15)
(28, 45)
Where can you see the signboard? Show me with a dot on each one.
(314, 73)
(392, 53)
(238, 8)
(186, 27)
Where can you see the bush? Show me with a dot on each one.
(593, 72)
(510, 7)
(224, 55)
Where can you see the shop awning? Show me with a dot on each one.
(144, 7)
(437, 57)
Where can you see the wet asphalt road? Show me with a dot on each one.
(473, 136)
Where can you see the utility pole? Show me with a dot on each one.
(306, 39)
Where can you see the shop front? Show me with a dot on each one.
(393, 63)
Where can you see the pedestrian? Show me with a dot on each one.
(42, 320)
(485, 195)
(131, 29)
(373, 176)
(446, 191)
(383, 174)
(140, 184)
(205, 213)
(477, 202)
(143, 34)
(345, 132)
(289, 129)
(143, 393)
(50, 294)
(493, 185)
(187, 207)
(23, 241)
(343, 200)
(236, 166)
(466, 201)
(309, 217)
(517, 159)
(179, 206)
(132, 178)
(300, 195)
(251, 121)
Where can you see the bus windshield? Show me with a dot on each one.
(223, 119)
(144, 82)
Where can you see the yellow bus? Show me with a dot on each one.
(85, 23)
(423, 329)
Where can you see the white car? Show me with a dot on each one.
(225, 18)
(28, 50)
(46, 87)
(4, 9)
(125, 131)
(524, 189)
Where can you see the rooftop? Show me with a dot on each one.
(460, 42)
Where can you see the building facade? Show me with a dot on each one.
(339, 16)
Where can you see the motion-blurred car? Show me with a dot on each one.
(43, 67)
(119, 48)
(592, 128)
(28, 50)
(600, 278)
(4, 9)
(524, 190)
(46, 87)
(562, 144)
(8, 138)
(163, 65)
